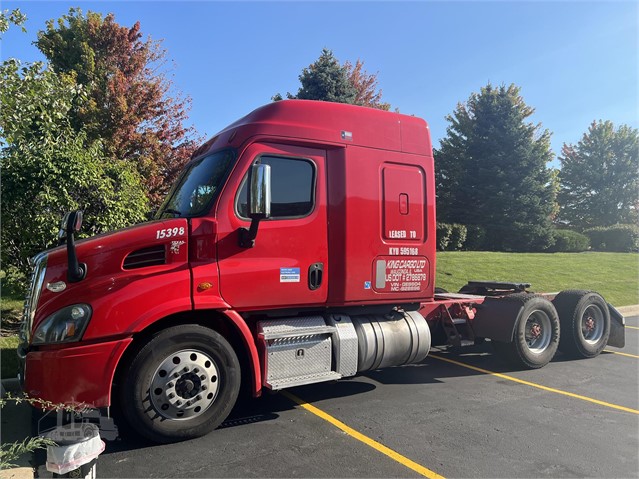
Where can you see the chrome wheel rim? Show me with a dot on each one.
(538, 332)
(592, 324)
(184, 385)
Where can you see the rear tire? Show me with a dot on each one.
(536, 334)
(585, 323)
(182, 384)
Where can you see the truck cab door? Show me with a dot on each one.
(287, 266)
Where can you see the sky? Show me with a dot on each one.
(575, 61)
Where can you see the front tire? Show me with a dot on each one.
(182, 384)
(536, 334)
(585, 323)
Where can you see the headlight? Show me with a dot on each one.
(63, 326)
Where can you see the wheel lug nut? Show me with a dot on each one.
(198, 397)
(196, 370)
(188, 403)
(169, 385)
(171, 396)
(186, 369)
(179, 403)
(203, 387)
(176, 375)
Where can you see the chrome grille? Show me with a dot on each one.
(36, 281)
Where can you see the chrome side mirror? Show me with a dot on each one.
(259, 199)
(260, 191)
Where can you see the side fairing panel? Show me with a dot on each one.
(381, 226)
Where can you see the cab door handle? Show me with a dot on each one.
(315, 274)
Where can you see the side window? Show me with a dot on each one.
(292, 188)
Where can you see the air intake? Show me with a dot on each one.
(152, 256)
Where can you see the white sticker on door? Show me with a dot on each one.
(289, 275)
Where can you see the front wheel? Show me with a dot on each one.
(182, 384)
(536, 334)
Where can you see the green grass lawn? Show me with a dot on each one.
(613, 275)
(8, 357)
(10, 311)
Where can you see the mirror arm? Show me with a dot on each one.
(247, 236)
(71, 223)
(77, 271)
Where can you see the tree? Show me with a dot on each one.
(49, 168)
(327, 80)
(15, 17)
(366, 86)
(599, 177)
(131, 107)
(491, 172)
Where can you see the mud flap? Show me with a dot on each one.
(617, 336)
(496, 319)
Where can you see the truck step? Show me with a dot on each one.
(295, 328)
(278, 384)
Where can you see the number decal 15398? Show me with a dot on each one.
(169, 232)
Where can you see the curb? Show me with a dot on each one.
(17, 473)
(632, 310)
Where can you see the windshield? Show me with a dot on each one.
(199, 185)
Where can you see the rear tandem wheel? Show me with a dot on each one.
(585, 323)
(536, 333)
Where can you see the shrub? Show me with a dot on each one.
(444, 231)
(450, 237)
(457, 237)
(13, 282)
(475, 238)
(617, 238)
(567, 241)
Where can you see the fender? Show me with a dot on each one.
(251, 348)
(164, 310)
(159, 311)
(617, 336)
(496, 319)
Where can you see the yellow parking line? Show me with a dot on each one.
(418, 468)
(538, 386)
(632, 327)
(621, 354)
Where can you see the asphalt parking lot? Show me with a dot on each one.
(452, 415)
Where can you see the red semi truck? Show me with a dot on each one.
(297, 246)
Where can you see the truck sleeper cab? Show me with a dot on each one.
(297, 246)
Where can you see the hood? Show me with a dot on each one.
(114, 261)
(138, 236)
(134, 249)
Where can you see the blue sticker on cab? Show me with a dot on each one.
(289, 275)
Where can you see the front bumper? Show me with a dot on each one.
(74, 375)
